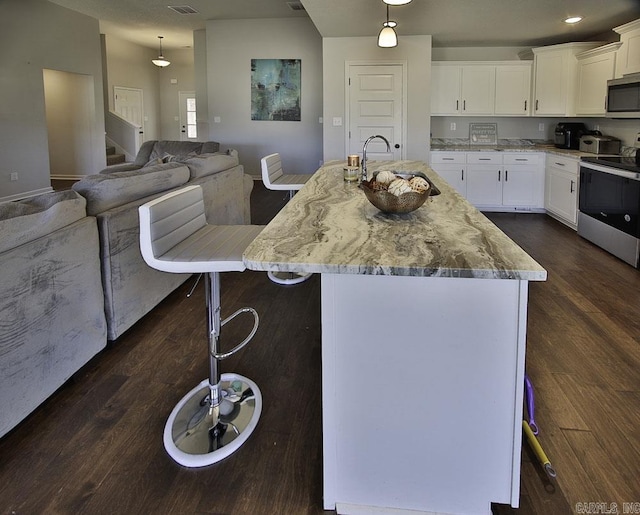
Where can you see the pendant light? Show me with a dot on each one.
(396, 2)
(388, 37)
(160, 61)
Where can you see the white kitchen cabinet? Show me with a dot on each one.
(555, 76)
(495, 181)
(513, 90)
(451, 166)
(561, 189)
(445, 89)
(595, 68)
(628, 59)
(478, 89)
(523, 181)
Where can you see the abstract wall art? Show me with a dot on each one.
(275, 89)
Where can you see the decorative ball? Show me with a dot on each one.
(419, 185)
(399, 186)
(385, 177)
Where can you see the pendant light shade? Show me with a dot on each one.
(396, 2)
(160, 61)
(388, 37)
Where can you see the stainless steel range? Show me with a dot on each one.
(609, 202)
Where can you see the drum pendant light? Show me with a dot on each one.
(388, 37)
(160, 61)
(396, 2)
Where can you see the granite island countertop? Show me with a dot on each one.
(330, 227)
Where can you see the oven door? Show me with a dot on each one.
(611, 196)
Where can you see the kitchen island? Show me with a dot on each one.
(423, 344)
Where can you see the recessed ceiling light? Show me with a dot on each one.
(573, 19)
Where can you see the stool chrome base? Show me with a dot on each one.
(287, 278)
(194, 436)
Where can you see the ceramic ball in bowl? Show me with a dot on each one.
(396, 192)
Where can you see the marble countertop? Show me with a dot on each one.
(330, 227)
(510, 146)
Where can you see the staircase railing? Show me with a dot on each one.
(125, 135)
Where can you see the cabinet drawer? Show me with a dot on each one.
(448, 157)
(564, 163)
(521, 158)
(484, 158)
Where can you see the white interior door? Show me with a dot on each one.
(188, 123)
(375, 100)
(128, 103)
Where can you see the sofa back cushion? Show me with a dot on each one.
(32, 218)
(106, 191)
(207, 164)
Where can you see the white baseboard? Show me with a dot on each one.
(25, 194)
(68, 177)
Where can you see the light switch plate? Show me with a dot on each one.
(337, 121)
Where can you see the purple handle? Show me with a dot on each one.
(528, 393)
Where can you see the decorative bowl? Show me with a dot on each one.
(390, 203)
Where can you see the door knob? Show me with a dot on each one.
(397, 145)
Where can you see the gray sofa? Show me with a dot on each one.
(131, 288)
(154, 151)
(51, 299)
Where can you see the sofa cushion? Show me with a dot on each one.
(207, 164)
(106, 191)
(179, 150)
(29, 219)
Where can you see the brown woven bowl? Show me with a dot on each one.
(390, 203)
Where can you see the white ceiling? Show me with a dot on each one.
(450, 22)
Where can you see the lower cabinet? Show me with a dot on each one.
(495, 181)
(561, 189)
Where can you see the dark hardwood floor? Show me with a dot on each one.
(96, 445)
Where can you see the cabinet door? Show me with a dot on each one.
(478, 89)
(454, 174)
(593, 74)
(513, 90)
(520, 186)
(445, 90)
(561, 194)
(484, 185)
(550, 83)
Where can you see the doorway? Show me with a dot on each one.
(375, 98)
(188, 123)
(70, 117)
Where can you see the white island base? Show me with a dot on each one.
(422, 393)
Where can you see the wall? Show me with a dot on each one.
(200, 81)
(415, 50)
(130, 66)
(231, 44)
(34, 35)
(178, 76)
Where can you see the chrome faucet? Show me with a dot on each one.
(364, 153)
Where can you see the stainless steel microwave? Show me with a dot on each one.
(623, 97)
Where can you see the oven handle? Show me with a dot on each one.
(634, 176)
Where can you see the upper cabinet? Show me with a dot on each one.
(595, 68)
(555, 77)
(628, 60)
(480, 88)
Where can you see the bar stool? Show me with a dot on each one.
(217, 416)
(274, 178)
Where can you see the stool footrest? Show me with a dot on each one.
(256, 321)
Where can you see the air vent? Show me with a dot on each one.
(296, 6)
(183, 9)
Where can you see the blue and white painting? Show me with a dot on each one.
(275, 89)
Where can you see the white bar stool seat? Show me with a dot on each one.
(274, 178)
(217, 416)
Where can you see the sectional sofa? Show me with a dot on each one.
(72, 273)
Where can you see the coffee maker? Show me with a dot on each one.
(567, 134)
